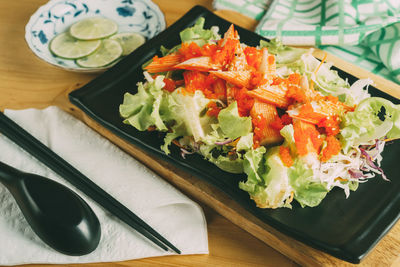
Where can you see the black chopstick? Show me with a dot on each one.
(37, 149)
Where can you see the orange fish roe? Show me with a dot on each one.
(280, 122)
(224, 55)
(190, 50)
(259, 123)
(211, 86)
(306, 134)
(244, 101)
(330, 125)
(194, 50)
(332, 148)
(179, 82)
(271, 60)
(284, 154)
(219, 87)
(257, 79)
(286, 119)
(294, 78)
(170, 85)
(253, 56)
(277, 81)
(209, 49)
(306, 110)
(301, 142)
(212, 109)
(277, 124)
(194, 80)
(294, 91)
(307, 113)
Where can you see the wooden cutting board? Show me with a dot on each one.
(386, 253)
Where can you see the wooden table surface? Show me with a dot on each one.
(26, 81)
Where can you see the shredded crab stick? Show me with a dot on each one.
(239, 61)
(238, 78)
(263, 67)
(220, 89)
(230, 93)
(229, 34)
(272, 94)
(263, 114)
(267, 64)
(163, 64)
(198, 63)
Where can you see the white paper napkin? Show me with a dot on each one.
(173, 215)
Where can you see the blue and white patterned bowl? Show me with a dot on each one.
(141, 16)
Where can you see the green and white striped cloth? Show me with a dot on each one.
(252, 8)
(364, 32)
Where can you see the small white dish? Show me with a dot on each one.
(141, 16)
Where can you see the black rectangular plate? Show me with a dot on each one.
(345, 228)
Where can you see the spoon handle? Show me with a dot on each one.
(8, 174)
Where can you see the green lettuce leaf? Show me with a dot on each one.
(245, 142)
(308, 190)
(232, 125)
(188, 112)
(374, 118)
(255, 168)
(181, 114)
(227, 164)
(186, 115)
(288, 134)
(267, 178)
(165, 51)
(143, 109)
(226, 157)
(198, 34)
(284, 54)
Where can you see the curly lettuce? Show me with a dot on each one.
(374, 118)
(198, 34)
(267, 178)
(144, 108)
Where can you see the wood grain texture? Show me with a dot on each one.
(26, 81)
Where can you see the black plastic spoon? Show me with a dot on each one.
(61, 218)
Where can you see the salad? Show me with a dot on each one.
(275, 113)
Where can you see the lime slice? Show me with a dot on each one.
(66, 46)
(93, 28)
(129, 41)
(109, 51)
